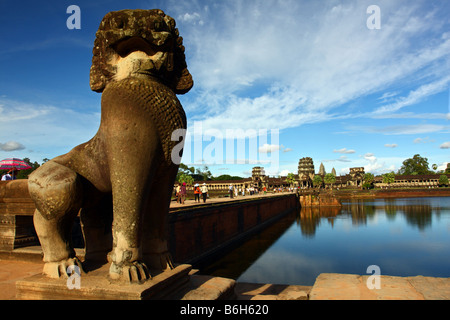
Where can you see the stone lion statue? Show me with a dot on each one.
(120, 181)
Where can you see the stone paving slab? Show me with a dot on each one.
(257, 291)
(203, 287)
(333, 286)
(327, 286)
(432, 288)
(12, 271)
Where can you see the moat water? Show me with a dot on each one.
(403, 237)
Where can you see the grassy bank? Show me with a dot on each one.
(392, 193)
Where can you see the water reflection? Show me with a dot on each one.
(417, 212)
(233, 264)
(309, 219)
(405, 237)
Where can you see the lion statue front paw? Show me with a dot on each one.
(129, 272)
(63, 268)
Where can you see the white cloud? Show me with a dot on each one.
(48, 130)
(391, 145)
(11, 146)
(191, 18)
(442, 167)
(344, 150)
(387, 96)
(402, 129)
(417, 95)
(340, 159)
(423, 140)
(373, 167)
(268, 148)
(445, 145)
(250, 68)
(370, 156)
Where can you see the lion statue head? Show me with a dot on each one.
(139, 43)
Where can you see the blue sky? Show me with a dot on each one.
(311, 71)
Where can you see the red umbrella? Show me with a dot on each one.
(14, 163)
(10, 163)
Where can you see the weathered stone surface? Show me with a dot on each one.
(12, 271)
(254, 291)
(208, 288)
(319, 200)
(97, 286)
(122, 178)
(431, 288)
(305, 172)
(16, 216)
(333, 286)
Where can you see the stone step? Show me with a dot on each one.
(334, 286)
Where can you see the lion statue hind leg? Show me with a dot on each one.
(57, 194)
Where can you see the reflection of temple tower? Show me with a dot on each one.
(306, 172)
(259, 178)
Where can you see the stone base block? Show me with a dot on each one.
(176, 284)
(202, 287)
(16, 231)
(96, 285)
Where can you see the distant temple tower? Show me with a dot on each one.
(259, 178)
(306, 172)
(357, 176)
(322, 170)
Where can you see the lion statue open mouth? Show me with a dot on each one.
(120, 181)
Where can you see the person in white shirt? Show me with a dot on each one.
(204, 190)
(6, 176)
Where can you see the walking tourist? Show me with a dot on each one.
(6, 176)
(178, 194)
(10, 175)
(197, 192)
(183, 193)
(204, 191)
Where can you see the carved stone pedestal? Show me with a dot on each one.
(16, 216)
(95, 285)
(175, 284)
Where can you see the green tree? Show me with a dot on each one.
(317, 181)
(369, 178)
(184, 169)
(205, 173)
(443, 180)
(23, 174)
(186, 178)
(389, 177)
(227, 177)
(329, 179)
(415, 165)
(290, 179)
